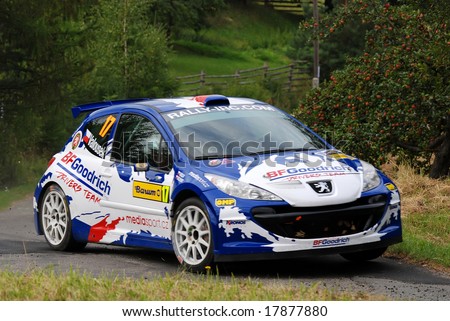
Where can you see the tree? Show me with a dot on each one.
(394, 99)
(336, 45)
(129, 55)
(176, 16)
(37, 41)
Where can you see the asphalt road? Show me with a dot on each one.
(22, 250)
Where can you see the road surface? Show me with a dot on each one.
(21, 249)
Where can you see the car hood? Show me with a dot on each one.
(307, 178)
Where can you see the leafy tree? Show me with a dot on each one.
(176, 16)
(129, 56)
(336, 44)
(37, 40)
(394, 99)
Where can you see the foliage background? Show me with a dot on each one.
(385, 88)
(394, 99)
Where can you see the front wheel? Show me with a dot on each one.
(366, 255)
(192, 235)
(56, 221)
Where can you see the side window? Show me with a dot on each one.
(97, 134)
(137, 140)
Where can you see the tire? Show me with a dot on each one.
(192, 235)
(56, 222)
(364, 255)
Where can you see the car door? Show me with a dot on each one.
(141, 173)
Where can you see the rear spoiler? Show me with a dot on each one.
(85, 108)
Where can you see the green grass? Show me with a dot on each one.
(237, 39)
(426, 238)
(10, 195)
(74, 286)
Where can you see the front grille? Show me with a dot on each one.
(323, 221)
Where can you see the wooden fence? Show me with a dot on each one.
(289, 6)
(292, 78)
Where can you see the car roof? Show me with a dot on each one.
(162, 105)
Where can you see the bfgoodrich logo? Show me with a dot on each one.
(322, 187)
(331, 242)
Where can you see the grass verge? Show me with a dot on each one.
(73, 286)
(425, 218)
(10, 195)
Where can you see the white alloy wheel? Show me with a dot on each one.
(192, 237)
(54, 218)
(56, 221)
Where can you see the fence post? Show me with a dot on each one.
(290, 76)
(202, 79)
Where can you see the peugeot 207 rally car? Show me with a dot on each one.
(212, 178)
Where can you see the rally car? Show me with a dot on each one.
(213, 179)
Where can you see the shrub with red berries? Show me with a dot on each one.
(395, 98)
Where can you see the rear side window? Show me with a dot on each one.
(97, 134)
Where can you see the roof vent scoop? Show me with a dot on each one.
(212, 100)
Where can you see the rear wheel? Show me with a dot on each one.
(364, 255)
(56, 220)
(192, 236)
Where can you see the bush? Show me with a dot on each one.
(394, 99)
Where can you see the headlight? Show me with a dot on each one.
(241, 189)
(371, 179)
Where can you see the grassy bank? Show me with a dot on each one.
(237, 39)
(425, 217)
(73, 286)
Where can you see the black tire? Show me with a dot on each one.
(364, 255)
(192, 235)
(56, 222)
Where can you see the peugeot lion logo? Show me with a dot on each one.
(322, 187)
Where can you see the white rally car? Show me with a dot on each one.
(212, 179)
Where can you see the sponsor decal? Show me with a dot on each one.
(150, 222)
(150, 191)
(203, 110)
(217, 162)
(84, 175)
(180, 177)
(390, 186)
(235, 222)
(331, 242)
(92, 145)
(107, 125)
(76, 140)
(307, 176)
(198, 179)
(321, 187)
(225, 202)
(282, 173)
(71, 183)
(91, 197)
(214, 162)
(338, 156)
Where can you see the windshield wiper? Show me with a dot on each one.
(280, 150)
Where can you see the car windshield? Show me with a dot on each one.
(238, 130)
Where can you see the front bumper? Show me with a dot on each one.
(249, 230)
